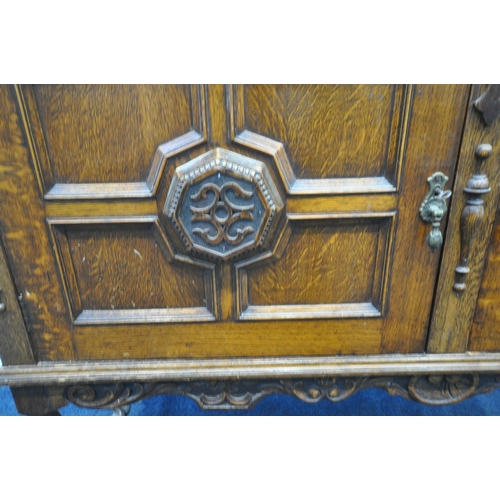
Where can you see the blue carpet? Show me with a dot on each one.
(366, 402)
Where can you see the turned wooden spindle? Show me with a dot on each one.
(472, 215)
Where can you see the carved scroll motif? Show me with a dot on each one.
(442, 389)
(222, 213)
(107, 396)
(223, 204)
(244, 394)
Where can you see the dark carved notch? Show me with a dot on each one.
(488, 104)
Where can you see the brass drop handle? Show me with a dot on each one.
(2, 305)
(434, 207)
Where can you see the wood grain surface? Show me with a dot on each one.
(433, 146)
(109, 263)
(15, 348)
(230, 339)
(354, 245)
(329, 130)
(88, 140)
(485, 334)
(454, 311)
(26, 240)
(320, 265)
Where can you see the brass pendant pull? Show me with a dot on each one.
(434, 207)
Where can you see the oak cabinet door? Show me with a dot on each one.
(224, 221)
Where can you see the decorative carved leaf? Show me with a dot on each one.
(243, 394)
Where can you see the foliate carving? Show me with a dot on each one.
(223, 204)
(227, 394)
(442, 389)
(107, 396)
(218, 394)
(313, 391)
(243, 394)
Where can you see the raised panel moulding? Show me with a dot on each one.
(54, 190)
(278, 280)
(396, 144)
(80, 275)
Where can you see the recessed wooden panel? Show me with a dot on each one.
(124, 269)
(330, 131)
(243, 339)
(119, 274)
(109, 133)
(329, 268)
(485, 334)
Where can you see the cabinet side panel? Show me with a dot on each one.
(15, 347)
(26, 240)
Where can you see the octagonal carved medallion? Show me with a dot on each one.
(223, 204)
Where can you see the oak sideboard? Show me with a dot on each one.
(227, 242)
